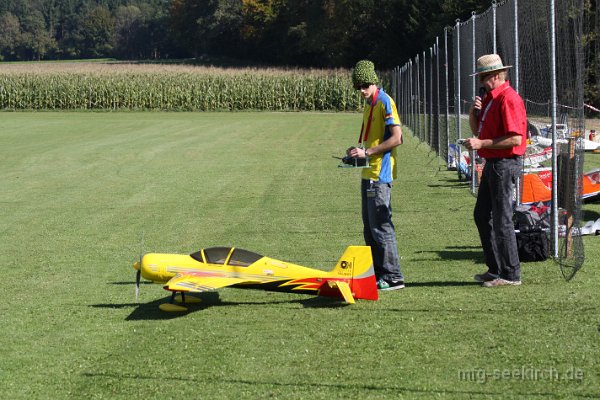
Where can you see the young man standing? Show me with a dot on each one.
(379, 136)
(499, 122)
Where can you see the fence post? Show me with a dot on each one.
(437, 96)
(554, 100)
(401, 93)
(406, 93)
(446, 93)
(411, 116)
(473, 49)
(418, 69)
(516, 35)
(473, 94)
(425, 121)
(516, 80)
(494, 5)
(457, 107)
(430, 121)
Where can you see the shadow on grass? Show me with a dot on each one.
(453, 184)
(151, 310)
(442, 284)
(588, 215)
(455, 253)
(367, 389)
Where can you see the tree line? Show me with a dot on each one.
(304, 33)
(308, 33)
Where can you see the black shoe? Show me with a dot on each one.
(481, 278)
(382, 284)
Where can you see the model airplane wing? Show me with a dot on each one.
(198, 284)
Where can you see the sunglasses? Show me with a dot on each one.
(485, 77)
(362, 86)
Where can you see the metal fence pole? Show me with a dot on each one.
(403, 92)
(516, 34)
(411, 116)
(473, 49)
(516, 83)
(457, 107)
(430, 121)
(424, 97)
(473, 94)
(494, 5)
(447, 93)
(418, 99)
(554, 101)
(394, 88)
(437, 96)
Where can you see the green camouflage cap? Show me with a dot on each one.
(364, 72)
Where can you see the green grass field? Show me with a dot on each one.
(84, 193)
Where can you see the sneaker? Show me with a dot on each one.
(484, 277)
(382, 284)
(501, 282)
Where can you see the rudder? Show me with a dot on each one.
(356, 264)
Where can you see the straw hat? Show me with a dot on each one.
(489, 63)
(364, 72)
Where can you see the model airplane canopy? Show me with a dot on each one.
(231, 255)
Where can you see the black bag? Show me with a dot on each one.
(531, 218)
(532, 245)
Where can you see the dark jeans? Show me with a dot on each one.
(494, 217)
(378, 229)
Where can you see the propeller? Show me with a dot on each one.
(138, 266)
(138, 276)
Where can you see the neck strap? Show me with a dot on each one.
(366, 132)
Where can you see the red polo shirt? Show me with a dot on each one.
(502, 113)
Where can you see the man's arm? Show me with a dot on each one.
(394, 140)
(473, 121)
(505, 142)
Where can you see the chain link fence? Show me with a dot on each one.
(542, 40)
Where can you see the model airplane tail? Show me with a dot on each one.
(355, 267)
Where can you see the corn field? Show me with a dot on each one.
(115, 86)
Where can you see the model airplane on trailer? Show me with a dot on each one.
(213, 268)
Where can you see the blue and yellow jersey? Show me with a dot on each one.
(385, 114)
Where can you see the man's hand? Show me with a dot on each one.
(473, 113)
(472, 143)
(476, 108)
(356, 152)
(388, 144)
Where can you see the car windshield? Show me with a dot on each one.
(218, 255)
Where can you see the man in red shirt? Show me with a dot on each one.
(499, 122)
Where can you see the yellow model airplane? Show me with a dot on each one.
(210, 269)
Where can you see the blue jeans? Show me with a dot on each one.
(493, 216)
(378, 229)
